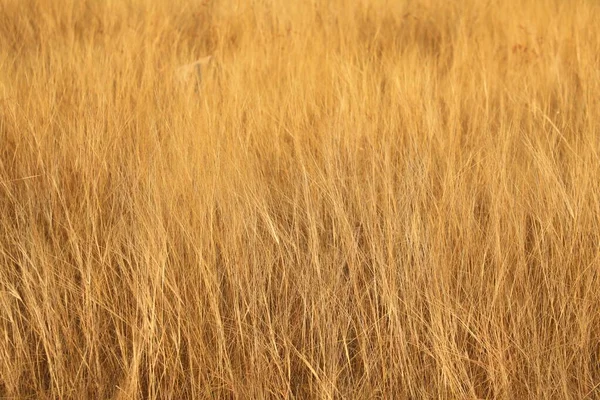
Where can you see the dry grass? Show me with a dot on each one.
(368, 199)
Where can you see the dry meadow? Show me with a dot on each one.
(361, 199)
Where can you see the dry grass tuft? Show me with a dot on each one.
(370, 199)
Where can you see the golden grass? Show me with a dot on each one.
(368, 199)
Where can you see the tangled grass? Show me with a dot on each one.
(367, 199)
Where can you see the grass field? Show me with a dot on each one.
(364, 199)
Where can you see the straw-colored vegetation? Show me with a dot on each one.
(366, 199)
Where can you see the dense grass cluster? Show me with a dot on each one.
(365, 199)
